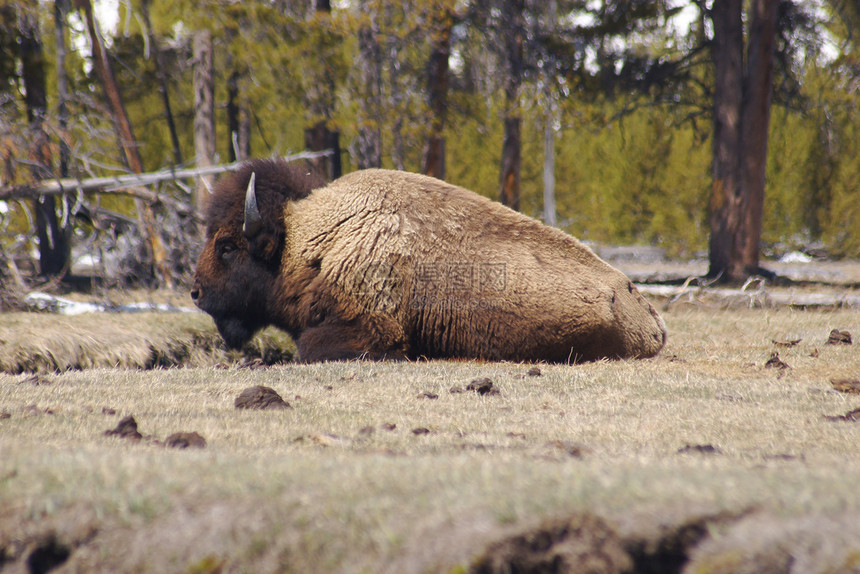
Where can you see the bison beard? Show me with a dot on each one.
(382, 264)
(235, 332)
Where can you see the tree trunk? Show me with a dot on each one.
(161, 75)
(54, 240)
(128, 143)
(244, 131)
(368, 142)
(64, 227)
(437, 87)
(318, 137)
(395, 94)
(509, 177)
(549, 131)
(510, 173)
(61, 7)
(549, 170)
(741, 117)
(204, 112)
(234, 112)
(758, 88)
(728, 95)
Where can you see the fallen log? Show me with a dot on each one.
(753, 298)
(129, 184)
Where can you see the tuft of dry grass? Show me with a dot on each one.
(702, 459)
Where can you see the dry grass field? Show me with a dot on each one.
(714, 457)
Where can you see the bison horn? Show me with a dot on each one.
(253, 220)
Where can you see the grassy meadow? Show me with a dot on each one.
(715, 456)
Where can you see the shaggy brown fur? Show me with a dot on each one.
(386, 264)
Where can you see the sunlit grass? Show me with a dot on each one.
(331, 485)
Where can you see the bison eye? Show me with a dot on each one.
(225, 247)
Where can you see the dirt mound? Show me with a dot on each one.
(581, 543)
(260, 398)
(848, 386)
(838, 337)
(127, 428)
(185, 440)
(40, 546)
(584, 543)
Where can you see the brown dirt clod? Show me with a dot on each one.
(253, 363)
(850, 416)
(535, 372)
(838, 337)
(774, 362)
(785, 342)
(185, 440)
(260, 398)
(36, 410)
(700, 448)
(427, 395)
(581, 543)
(851, 386)
(483, 386)
(127, 428)
(571, 448)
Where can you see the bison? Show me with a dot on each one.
(386, 264)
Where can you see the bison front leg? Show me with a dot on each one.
(335, 340)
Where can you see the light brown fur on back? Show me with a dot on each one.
(417, 267)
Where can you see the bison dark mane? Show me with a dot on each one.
(277, 183)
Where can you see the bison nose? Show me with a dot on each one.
(195, 292)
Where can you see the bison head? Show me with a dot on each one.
(240, 261)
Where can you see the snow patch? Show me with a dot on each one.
(53, 304)
(795, 257)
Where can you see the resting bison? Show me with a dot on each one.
(385, 264)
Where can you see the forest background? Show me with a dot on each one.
(606, 108)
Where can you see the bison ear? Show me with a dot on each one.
(262, 243)
(265, 246)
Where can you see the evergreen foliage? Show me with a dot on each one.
(632, 165)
